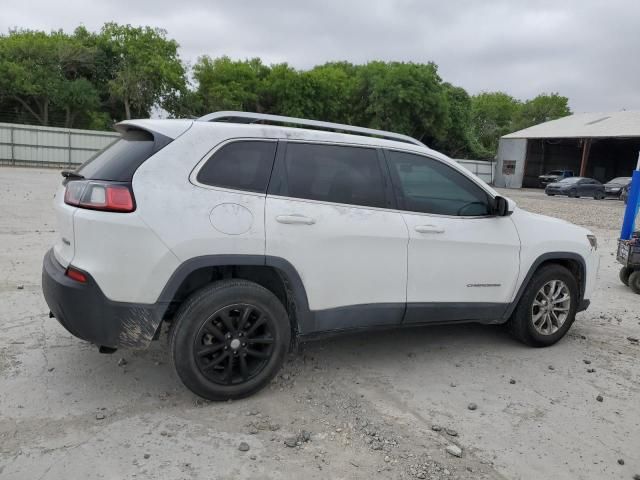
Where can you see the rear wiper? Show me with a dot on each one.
(69, 174)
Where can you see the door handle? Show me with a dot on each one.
(429, 229)
(295, 219)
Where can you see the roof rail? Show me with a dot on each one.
(248, 117)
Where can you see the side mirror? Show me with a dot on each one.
(501, 207)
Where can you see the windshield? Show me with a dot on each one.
(570, 180)
(621, 180)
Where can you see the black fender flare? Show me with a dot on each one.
(290, 276)
(545, 257)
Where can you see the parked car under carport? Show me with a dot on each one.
(615, 187)
(576, 187)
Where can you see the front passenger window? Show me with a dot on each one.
(429, 186)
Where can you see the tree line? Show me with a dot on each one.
(94, 79)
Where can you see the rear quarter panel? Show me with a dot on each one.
(180, 213)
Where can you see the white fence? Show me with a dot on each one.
(481, 168)
(26, 145)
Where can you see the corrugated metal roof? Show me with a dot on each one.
(586, 125)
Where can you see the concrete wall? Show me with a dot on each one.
(510, 150)
(28, 145)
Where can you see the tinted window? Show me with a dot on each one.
(120, 160)
(430, 186)
(333, 173)
(242, 165)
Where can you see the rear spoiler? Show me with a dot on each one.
(171, 129)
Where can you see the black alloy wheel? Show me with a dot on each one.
(229, 339)
(234, 344)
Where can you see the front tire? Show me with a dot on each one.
(547, 308)
(229, 339)
(634, 281)
(625, 273)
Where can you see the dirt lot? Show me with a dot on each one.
(370, 404)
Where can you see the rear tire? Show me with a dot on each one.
(526, 324)
(229, 339)
(625, 272)
(634, 281)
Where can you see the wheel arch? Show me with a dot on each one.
(572, 261)
(273, 273)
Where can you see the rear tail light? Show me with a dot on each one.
(76, 275)
(96, 195)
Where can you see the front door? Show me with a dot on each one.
(326, 214)
(463, 263)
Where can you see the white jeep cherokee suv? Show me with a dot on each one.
(248, 233)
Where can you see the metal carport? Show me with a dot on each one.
(597, 145)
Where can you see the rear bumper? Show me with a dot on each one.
(88, 314)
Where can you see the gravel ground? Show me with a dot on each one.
(378, 405)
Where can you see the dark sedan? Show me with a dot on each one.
(614, 188)
(576, 187)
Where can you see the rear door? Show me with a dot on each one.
(463, 262)
(327, 213)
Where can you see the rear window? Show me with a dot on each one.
(241, 165)
(119, 161)
(334, 173)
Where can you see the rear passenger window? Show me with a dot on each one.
(334, 173)
(243, 165)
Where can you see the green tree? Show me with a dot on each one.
(144, 66)
(281, 91)
(43, 71)
(541, 109)
(225, 84)
(403, 97)
(459, 140)
(328, 92)
(493, 115)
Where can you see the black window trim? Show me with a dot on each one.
(279, 174)
(193, 176)
(397, 189)
(158, 140)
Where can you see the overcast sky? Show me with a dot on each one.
(588, 50)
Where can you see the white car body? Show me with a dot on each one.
(349, 266)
